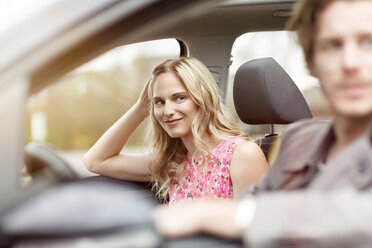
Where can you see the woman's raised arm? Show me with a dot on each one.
(104, 156)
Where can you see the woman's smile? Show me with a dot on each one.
(172, 122)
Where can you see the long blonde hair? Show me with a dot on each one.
(212, 119)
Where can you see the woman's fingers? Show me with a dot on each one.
(143, 100)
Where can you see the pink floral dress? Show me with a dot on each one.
(209, 180)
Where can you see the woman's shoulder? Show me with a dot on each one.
(248, 158)
(240, 141)
(248, 149)
(228, 144)
(243, 146)
(233, 141)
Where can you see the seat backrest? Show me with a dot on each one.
(265, 94)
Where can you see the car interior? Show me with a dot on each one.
(57, 209)
(264, 83)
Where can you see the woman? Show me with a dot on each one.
(195, 150)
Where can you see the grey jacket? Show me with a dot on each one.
(299, 205)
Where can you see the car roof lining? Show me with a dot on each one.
(226, 21)
(213, 23)
(126, 30)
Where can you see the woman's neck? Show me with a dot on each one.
(210, 141)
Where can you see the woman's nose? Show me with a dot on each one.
(168, 108)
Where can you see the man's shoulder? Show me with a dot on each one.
(305, 127)
(303, 135)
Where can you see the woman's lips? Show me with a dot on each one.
(172, 122)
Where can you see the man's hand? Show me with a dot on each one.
(214, 216)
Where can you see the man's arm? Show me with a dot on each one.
(300, 219)
(340, 218)
(214, 216)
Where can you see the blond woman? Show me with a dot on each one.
(195, 149)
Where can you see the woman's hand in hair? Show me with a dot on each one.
(143, 101)
(106, 158)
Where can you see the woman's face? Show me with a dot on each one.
(173, 106)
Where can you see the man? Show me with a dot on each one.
(319, 191)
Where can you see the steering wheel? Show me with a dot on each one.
(44, 158)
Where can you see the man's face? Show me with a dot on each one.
(343, 57)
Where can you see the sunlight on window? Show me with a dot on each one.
(76, 110)
(124, 57)
(16, 10)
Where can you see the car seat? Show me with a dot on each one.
(265, 94)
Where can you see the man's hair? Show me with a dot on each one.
(305, 20)
(166, 153)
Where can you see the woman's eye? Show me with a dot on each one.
(158, 102)
(180, 98)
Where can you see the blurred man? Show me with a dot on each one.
(319, 191)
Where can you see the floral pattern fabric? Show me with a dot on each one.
(208, 180)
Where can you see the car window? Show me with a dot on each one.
(282, 46)
(75, 111)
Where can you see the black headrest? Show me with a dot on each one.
(265, 94)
